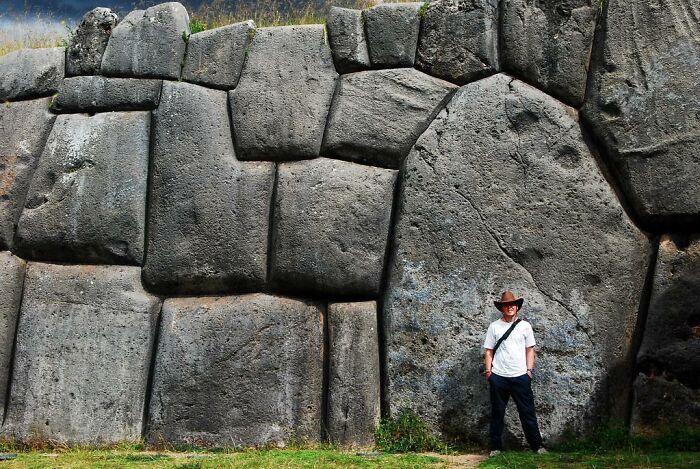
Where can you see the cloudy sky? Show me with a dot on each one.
(63, 9)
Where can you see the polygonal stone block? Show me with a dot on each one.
(87, 44)
(346, 34)
(392, 33)
(11, 280)
(29, 73)
(97, 94)
(663, 405)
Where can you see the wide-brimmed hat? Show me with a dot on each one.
(507, 297)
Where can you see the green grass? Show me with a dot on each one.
(407, 432)
(593, 460)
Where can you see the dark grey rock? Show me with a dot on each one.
(392, 33)
(377, 115)
(11, 280)
(238, 371)
(215, 57)
(549, 44)
(331, 224)
(663, 406)
(209, 213)
(643, 105)
(84, 53)
(84, 345)
(30, 73)
(24, 127)
(501, 192)
(353, 384)
(280, 105)
(148, 43)
(87, 200)
(96, 94)
(459, 40)
(346, 34)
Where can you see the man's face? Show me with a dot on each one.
(509, 310)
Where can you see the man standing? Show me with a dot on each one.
(509, 361)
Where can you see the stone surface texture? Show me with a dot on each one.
(87, 200)
(31, 73)
(501, 193)
(459, 40)
(353, 383)
(88, 43)
(24, 127)
(215, 57)
(392, 33)
(280, 105)
(238, 371)
(97, 94)
(330, 229)
(346, 35)
(662, 405)
(12, 271)
(643, 104)
(148, 43)
(84, 343)
(209, 213)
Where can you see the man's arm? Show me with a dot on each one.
(488, 361)
(530, 359)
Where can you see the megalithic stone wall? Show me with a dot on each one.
(350, 200)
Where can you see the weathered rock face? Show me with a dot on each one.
(215, 57)
(392, 33)
(459, 40)
(644, 104)
(347, 37)
(353, 384)
(238, 371)
(331, 224)
(24, 127)
(549, 44)
(29, 73)
(82, 357)
(87, 200)
(280, 105)
(377, 115)
(11, 280)
(148, 43)
(97, 94)
(661, 406)
(500, 193)
(84, 53)
(209, 213)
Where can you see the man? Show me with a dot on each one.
(510, 372)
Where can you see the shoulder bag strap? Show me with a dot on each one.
(504, 337)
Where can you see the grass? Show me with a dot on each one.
(407, 432)
(593, 460)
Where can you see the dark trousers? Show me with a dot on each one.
(501, 389)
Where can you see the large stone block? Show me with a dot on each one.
(84, 345)
(24, 127)
(209, 213)
(377, 116)
(549, 44)
(88, 43)
(331, 224)
(501, 192)
(97, 94)
(11, 280)
(662, 406)
(148, 43)
(346, 34)
(87, 200)
(29, 73)
(238, 371)
(459, 40)
(392, 33)
(354, 380)
(280, 105)
(215, 57)
(643, 104)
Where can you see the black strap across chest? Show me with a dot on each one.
(505, 336)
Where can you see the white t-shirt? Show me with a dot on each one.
(510, 356)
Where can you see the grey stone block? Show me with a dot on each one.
(643, 105)
(331, 224)
(24, 127)
(280, 105)
(30, 73)
(97, 94)
(11, 280)
(238, 371)
(662, 406)
(209, 213)
(377, 116)
(392, 33)
(354, 380)
(88, 43)
(84, 344)
(502, 193)
(459, 40)
(215, 57)
(346, 34)
(87, 200)
(148, 43)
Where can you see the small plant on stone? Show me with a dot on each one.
(197, 26)
(407, 432)
(423, 9)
